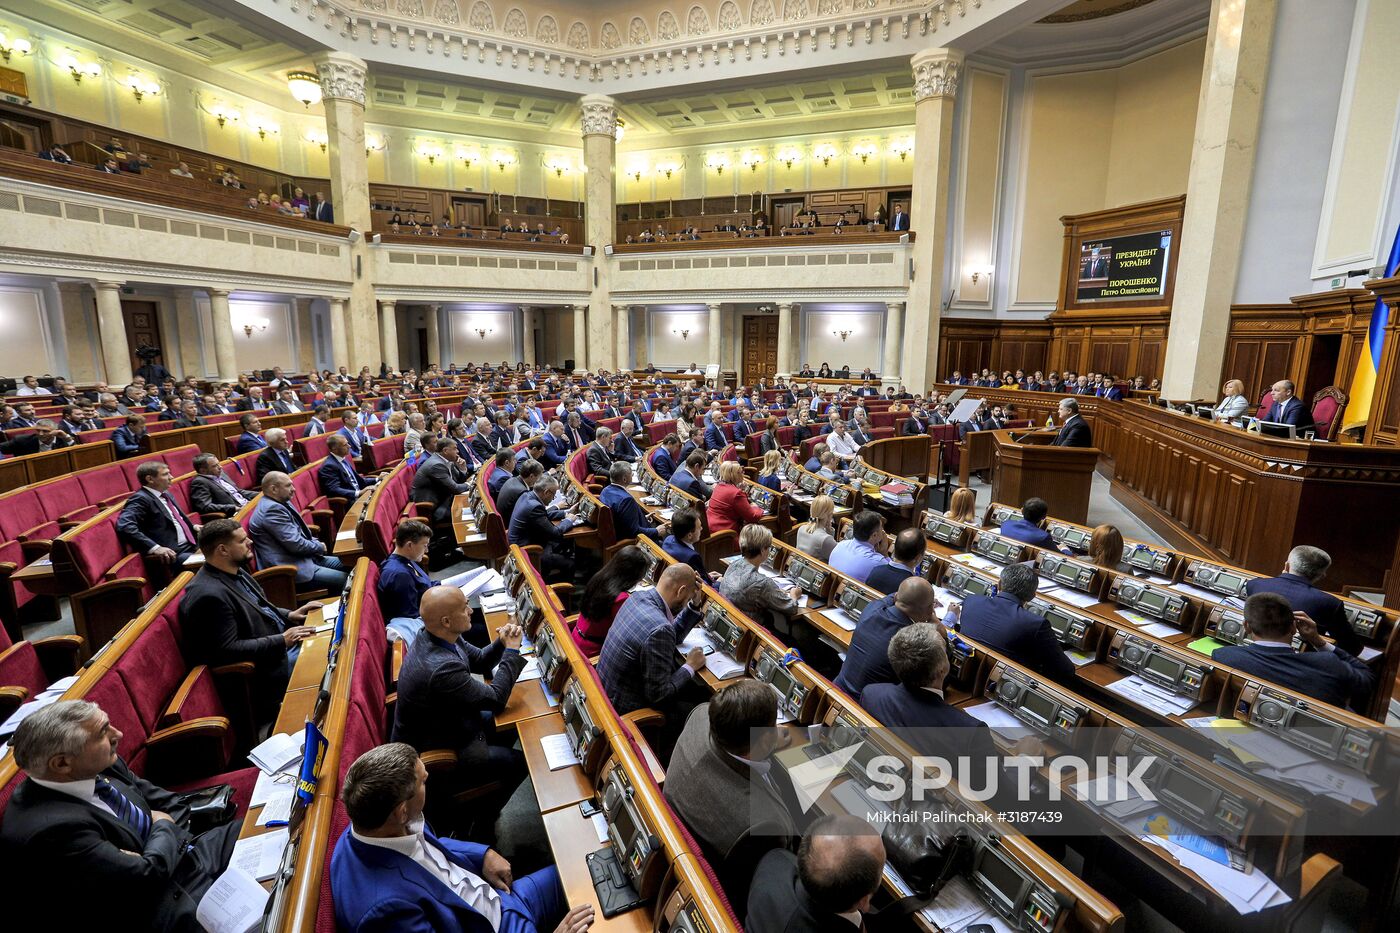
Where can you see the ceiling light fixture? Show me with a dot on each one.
(305, 87)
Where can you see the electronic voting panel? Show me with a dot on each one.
(585, 738)
(1064, 571)
(1037, 704)
(760, 496)
(1180, 671)
(1139, 558)
(999, 515)
(1307, 725)
(1226, 623)
(588, 511)
(1022, 899)
(1217, 579)
(1150, 600)
(627, 873)
(1070, 536)
(809, 578)
(963, 582)
(1210, 807)
(841, 495)
(768, 667)
(811, 483)
(854, 599)
(996, 548)
(943, 529)
(724, 632)
(1071, 628)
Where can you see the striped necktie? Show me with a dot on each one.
(129, 813)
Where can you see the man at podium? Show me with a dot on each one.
(1074, 430)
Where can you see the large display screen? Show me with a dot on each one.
(1124, 267)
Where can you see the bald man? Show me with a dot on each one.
(281, 536)
(441, 705)
(825, 887)
(867, 660)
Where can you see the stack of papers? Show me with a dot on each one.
(1161, 629)
(234, 903)
(497, 602)
(1269, 756)
(276, 810)
(1000, 720)
(1150, 696)
(260, 856)
(841, 617)
(979, 562)
(1071, 597)
(277, 752)
(1247, 891)
(558, 753)
(531, 671)
(272, 786)
(716, 661)
(897, 494)
(50, 695)
(1132, 618)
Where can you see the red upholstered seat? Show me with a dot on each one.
(1329, 407)
(64, 496)
(19, 667)
(129, 468)
(1266, 401)
(12, 553)
(882, 419)
(181, 459)
(314, 448)
(95, 550)
(306, 488)
(809, 444)
(110, 693)
(241, 470)
(108, 484)
(879, 433)
(152, 669)
(612, 424)
(23, 517)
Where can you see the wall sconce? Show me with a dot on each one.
(683, 331)
(902, 147)
(430, 152)
(251, 324)
(753, 160)
(264, 128)
(481, 332)
(141, 87)
(668, 168)
(223, 113)
(10, 46)
(468, 157)
(78, 69)
(826, 152)
(636, 170)
(305, 87)
(618, 131)
(317, 138)
(865, 150)
(502, 159)
(843, 334)
(374, 143)
(976, 272)
(717, 161)
(559, 165)
(789, 156)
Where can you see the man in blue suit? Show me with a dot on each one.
(868, 659)
(1030, 527)
(687, 477)
(629, 518)
(1287, 409)
(905, 556)
(390, 872)
(556, 445)
(919, 657)
(337, 474)
(280, 536)
(664, 460)
(714, 437)
(1307, 565)
(1327, 672)
(357, 437)
(251, 438)
(1003, 623)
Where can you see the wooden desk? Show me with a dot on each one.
(346, 545)
(38, 577)
(553, 789)
(527, 701)
(1032, 467)
(572, 837)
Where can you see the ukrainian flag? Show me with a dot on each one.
(1363, 384)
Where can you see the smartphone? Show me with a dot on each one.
(588, 808)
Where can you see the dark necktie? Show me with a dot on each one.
(354, 480)
(183, 528)
(129, 813)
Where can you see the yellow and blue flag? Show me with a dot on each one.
(1363, 383)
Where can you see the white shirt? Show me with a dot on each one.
(86, 791)
(842, 445)
(472, 889)
(36, 390)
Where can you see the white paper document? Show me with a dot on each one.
(956, 906)
(278, 751)
(270, 786)
(1161, 629)
(1133, 618)
(531, 671)
(558, 753)
(1141, 693)
(1247, 891)
(484, 582)
(1071, 597)
(716, 661)
(840, 617)
(259, 856)
(600, 826)
(1000, 720)
(346, 535)
(979, 562)
(330, 609)
(234, 903)
(278, 808)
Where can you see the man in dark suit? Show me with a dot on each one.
(276, 457)
(867, 660)
(442, 706)
(1074, 430)
(1306, 565)
(917, 422)
(356, 436)
(624, 447)
(1030, 527)
(337, 475)
(664, 461)
(1003, 623)
(251, 438)
(227, 618)
(152, 523)
(599, 456)
(439, 479)
(718, 782)
(908, 551)
(556, 445)
(687, 477)
(629, 518)
(899, 220)
(110, 850)
(1287, 409)
(533, 522)
(825, 887)
(505, 468)
(212, 493)
(46, 437)
(526, 475)
(322, 209)
(1326, 672)
(714, 437)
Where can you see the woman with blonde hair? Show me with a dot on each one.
(962, 506)
(814, 536)
(1234, 404)
(1106, 547)
(753, 592)
(729, 508)
(770, 474)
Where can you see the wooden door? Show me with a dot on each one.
(469, 211)
(760, 349)
(421, 338)
(142, 319)
(785, 212)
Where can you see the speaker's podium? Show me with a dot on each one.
(1025, 464)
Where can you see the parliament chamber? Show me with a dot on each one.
(1015, 549)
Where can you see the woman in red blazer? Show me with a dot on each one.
(729, 508)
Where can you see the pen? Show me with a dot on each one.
(273, 824)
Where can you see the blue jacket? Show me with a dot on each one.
(868, 658)
(249, 441)
(556, 449)
(126, 442)
(662, 463)
(887, 578)
(357, 439)
(629, 518)
(912, 713)
(280, 536)
(684, 554)
(686, 481)
(1330, 676)
(1324, 608)
(1291, 412)
(335, 482)
(1018, 529)
(999, 622)
(714, 438)
(402, 584)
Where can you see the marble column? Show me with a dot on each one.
(343, 97)
(1238, 43)
(894, 327)
(388, 335)
(787, 341)
(641, 346)
(306, 346)
(531, 323)
(716, 328)
(191, 334)
(170, 356)
(434, 336)
(116, 350)
(79, 332)
(580, 338)
(623, 328)
(599, 157)
(340, 347)
(936, 75)
(225, 357)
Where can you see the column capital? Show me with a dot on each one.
(337, 303)
(579, 309)
(936, 73)
(108, 286)
(388, 304)
(784, 304)
(599, 115)
(893, 306)
(714, 305)
(342, 77)
(218, 292)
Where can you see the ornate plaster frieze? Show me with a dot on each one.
(342, 77)
(936, 74)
